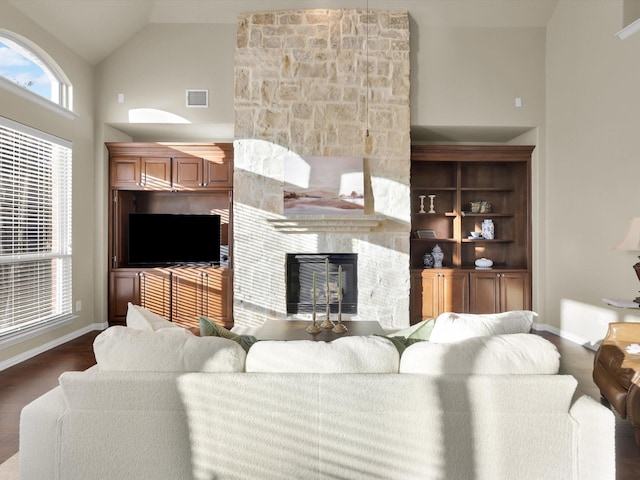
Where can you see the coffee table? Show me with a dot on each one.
(296, 330)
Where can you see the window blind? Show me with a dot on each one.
(35, 228)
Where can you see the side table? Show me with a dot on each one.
(621, 302)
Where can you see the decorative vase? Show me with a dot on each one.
(488, 229)
(427, 260)
(437, 256)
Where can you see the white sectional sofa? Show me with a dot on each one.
(419, 415)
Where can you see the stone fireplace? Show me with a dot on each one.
(322, 83)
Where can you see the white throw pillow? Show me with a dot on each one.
(355, 354)
(141, 318)
(453, 327)
(513, 354)
(127, 349)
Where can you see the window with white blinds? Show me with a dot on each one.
(35, 229)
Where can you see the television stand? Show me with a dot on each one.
(173, 179)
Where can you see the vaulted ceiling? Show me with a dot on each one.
(94, 28)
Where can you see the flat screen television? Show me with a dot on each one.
(157, 239)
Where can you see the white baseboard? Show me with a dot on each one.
(543, 327)
(10, 362)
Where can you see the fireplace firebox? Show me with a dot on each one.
(300, 268)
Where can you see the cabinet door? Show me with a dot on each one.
(186, 296)
(430, 294)
(155, 291)
(494, 292)
(515, 291)
(217, 173)
(217, 291)
(484, 292)
(444, 291)
(415, 306)
(125, 173)
(187, 173)
(124, 287)
(453, 292)
(155, 173)
(201, 292)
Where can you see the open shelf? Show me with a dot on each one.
(460, 176)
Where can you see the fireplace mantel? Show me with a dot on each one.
(326, 223)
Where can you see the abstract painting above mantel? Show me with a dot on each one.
(323, 185)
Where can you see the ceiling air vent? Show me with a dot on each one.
(198, 98)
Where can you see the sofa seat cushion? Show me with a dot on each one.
(518, 354)
(453, 327)
(372, 354)
(128, 349)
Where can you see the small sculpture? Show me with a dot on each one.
(427, 260)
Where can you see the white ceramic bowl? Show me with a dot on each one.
(484, 263)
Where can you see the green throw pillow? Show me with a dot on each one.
(419, 331)
(209, 328)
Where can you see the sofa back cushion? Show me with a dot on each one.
(142, 318)
(355, 354)
(518, 354)
(128, 349)
(453, 327)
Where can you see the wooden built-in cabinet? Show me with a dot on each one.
(188, 167)
(181, 294)
(458, 175)
(170, 178)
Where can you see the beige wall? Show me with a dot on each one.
(593, 167)
(471, 76)
(79, 131)
(155, 68)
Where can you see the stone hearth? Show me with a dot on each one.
(322, 83)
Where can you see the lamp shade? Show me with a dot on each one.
(631, 240)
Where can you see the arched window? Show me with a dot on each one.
(24, 64)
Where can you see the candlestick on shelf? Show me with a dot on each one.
(327, 323)
(431, 209)
(422, 197)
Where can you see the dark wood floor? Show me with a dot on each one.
(24, 382)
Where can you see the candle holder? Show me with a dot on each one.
(313, 328)
(339, 327)
(431, 209)
(422, 197)
(327, 323)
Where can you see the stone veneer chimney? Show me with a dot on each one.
(322, 83)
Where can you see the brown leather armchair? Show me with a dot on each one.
(617, 373)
